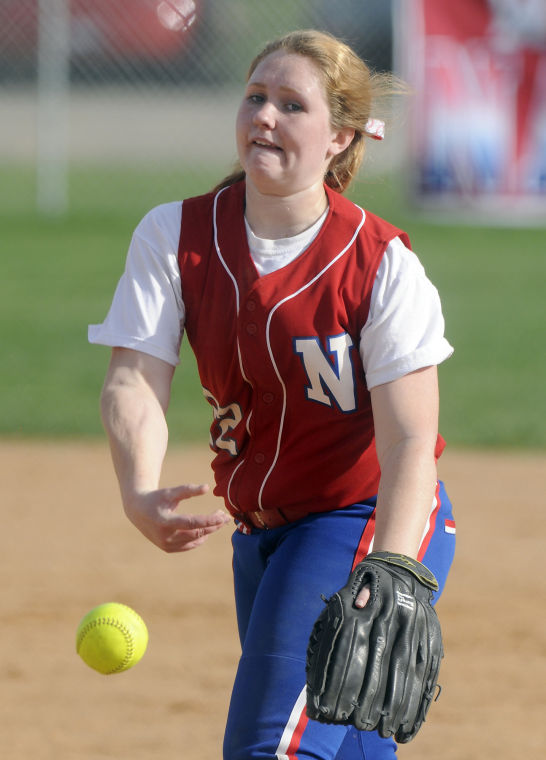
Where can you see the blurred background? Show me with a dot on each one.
(107, 109)
(93, 92)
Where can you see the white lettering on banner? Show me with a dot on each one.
(329, 380)
(227, 418)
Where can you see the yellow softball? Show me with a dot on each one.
(111, 638)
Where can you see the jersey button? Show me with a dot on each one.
(252, 328)
(268, 397)
(251, 305)
(259, 458)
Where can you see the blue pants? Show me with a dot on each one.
(279, 577)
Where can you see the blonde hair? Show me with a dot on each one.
(352, 91)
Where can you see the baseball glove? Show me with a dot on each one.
(377, 667)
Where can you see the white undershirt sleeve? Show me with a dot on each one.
(405, 327)
(147, 313)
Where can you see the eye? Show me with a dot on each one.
(256, 98)
(293, 107)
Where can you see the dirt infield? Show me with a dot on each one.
(67, 547)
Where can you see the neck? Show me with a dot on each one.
(281, 216)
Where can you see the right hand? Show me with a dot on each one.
(153, 513)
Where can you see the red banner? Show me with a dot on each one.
(478, 126)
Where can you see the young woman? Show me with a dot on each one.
(317, 336)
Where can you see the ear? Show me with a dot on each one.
(341, 139)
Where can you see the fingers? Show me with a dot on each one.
(186, 532)
(184, 540)
(363, 597)
(174, 496)
(186, 491)
(176, 521)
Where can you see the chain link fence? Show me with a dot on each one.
(118, 105)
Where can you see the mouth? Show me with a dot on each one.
(266, 144)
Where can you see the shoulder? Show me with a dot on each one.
(205, 213)
(154, 243)
(371, 226)
(164, 221)
(161, 224)
(199, 209)
(383, 230)
(399, 275)
(399, 260)
(206, 201)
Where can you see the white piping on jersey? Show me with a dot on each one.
(270, 350)
(236, 287)
(229, 485)
(215, 227)
(231, 276)
(291, 726)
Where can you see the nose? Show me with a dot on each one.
(265, 115)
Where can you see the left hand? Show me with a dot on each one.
(376, 667)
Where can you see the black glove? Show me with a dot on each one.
(377, 667)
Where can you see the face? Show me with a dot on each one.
(284, 137)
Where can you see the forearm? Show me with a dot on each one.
(406, 429)
(405, 497)
(134, 401)
(137, 430)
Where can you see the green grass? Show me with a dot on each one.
(58, 276)
(491, 283)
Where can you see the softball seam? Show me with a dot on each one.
(115, 624)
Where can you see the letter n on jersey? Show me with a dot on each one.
(329, 379)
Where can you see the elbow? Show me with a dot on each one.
(416, 448)
(107, 406)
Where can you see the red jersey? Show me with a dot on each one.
(278, 356)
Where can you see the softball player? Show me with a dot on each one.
(317, 335)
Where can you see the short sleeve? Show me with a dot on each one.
(147, 312)
(405, 326)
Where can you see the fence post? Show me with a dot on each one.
(53, 95)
